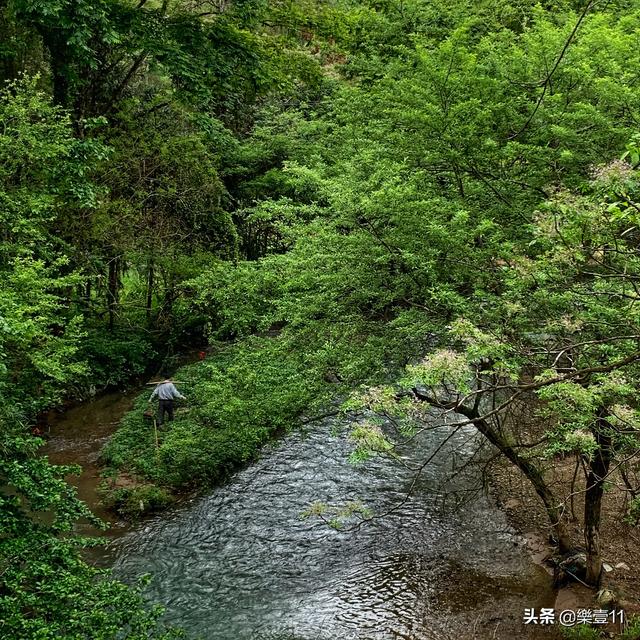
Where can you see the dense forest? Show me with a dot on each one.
(412, 204)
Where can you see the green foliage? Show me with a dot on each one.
(170, 157)
(133, 502)
(585, 632)
(369, 440)
(115, 360)
(331, 294)
(338, 517)
(633, 629)
(237, 401)
(633, 150)
(339, 187)
(582, 632)
(46, 589)
(632, 516)
(444, 367)
(42, 171)
(170, 88)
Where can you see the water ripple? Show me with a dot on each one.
(242, 560)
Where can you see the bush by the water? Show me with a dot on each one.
(133, 501)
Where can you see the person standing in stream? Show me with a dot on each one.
(167, 393)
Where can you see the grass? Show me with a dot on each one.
(237, 400)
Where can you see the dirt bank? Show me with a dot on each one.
(621, 541)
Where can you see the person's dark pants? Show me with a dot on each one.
(165, 407)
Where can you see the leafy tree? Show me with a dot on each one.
(426, 183)
(354, 181)
(560, 335)
(42, 169)
(46, 588)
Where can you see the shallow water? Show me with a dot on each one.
(77, 437)
(242, 561)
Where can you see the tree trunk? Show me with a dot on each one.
(598, 470)
(530, 471)
(113, 292)
(149, 303)
(535, 477)
(60, 67)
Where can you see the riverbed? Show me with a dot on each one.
(242, 561)
(77, 437)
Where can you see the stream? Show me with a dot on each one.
(242, 561)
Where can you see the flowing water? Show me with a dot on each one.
(242, 562)
(77, 437)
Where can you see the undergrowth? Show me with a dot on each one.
(237, 400)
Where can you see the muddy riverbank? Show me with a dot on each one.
(621, 544)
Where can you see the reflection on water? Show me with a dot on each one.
(242, 560)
